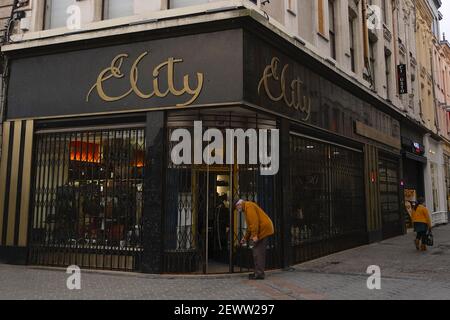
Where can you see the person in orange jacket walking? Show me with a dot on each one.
(422, 223)
(259, 228)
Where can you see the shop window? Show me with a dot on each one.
(88, 195)
(185, 3)
(327, 193)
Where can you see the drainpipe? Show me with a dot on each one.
(435, 98)
(5, 63)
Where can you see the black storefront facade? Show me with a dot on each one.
(87, 176)
(414, 163)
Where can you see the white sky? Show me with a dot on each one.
(445, 23)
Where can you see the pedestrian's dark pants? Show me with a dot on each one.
(421, 229)
(259, 257)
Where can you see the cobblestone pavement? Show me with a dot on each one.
(405, 274)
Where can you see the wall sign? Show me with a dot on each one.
(402, 79)
(175, 72)
(291, 92)
(114, 71)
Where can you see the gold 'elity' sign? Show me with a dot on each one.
(114, 72)
(292, 94)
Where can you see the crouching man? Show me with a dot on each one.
(259, 228)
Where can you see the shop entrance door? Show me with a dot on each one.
(202, 232)
(213, 204)
(392, 223)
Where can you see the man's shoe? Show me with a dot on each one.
(255, 277)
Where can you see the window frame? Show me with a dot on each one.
(169, 4)
(47, 16)
(352, 41)
(332, 28)
(105, 4)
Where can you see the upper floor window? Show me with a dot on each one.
(118, 8)
(351, 26)
(320, 14)
(291, 5)
(185, 3)
(56, 14)
(372, 62)
(387, 59)
(383, 11)
(123, 8)
(332, 28)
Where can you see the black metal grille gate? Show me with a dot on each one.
(328, 210)
(392, 222)
(88, 199)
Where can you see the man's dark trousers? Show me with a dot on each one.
(259, 257)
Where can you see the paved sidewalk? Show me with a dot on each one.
(406, 274)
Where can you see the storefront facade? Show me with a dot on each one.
(414, 163)
(435, 184)
(87, 176)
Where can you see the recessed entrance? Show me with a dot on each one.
(201, 231)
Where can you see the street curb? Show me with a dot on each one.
(243, 275)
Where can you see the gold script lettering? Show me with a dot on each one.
(293, 95)
(114, 72)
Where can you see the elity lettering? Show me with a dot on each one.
(292, 94)
(114, 72)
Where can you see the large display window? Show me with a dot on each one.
(88, 198)
(327, 197)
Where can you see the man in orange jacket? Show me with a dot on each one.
(259, 228)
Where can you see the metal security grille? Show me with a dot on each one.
(88, 199)
(201, 232)
(327, 198)
(389, 198)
